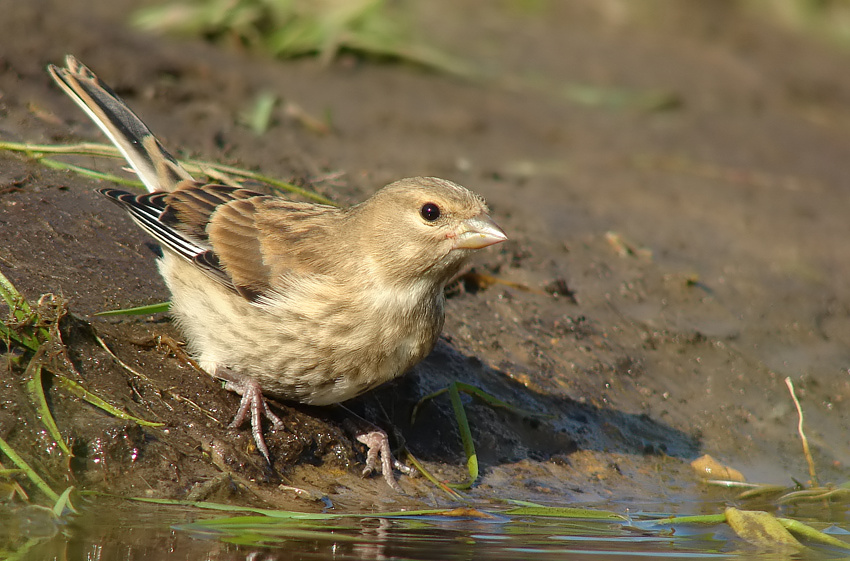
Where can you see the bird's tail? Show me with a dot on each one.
(157, 169)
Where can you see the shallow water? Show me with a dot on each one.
(152, 533)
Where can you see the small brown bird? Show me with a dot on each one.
(299, 301)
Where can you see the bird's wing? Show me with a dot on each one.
(244, 240)
(261, 241)
(157, 169)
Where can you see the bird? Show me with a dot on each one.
(298, 301)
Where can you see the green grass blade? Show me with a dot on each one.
(80, 149)
(518, 502)
(564, 512)
(454, 495)
(86, 172)
(698, 519)
(63, 505)
(35, 388)
(9, 334)
(150, 309)
(423, 400)
(197, 166)
(30, 473)
(238, 509)
(454, 390)
(466, 438)
(37, 151)
(79, 391)
(494, 401)
(16, 302)
(284, 514)
(811, 534)
(210, 169)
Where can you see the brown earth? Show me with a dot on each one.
(672, 178)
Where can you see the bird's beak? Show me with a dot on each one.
(477, 232)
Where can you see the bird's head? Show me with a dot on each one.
(426, 227)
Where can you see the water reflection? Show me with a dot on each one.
(172, 533)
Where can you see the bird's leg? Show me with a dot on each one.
(379, 457)
(252, 402)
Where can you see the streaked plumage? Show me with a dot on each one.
(300, 301)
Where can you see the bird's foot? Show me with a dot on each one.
(252, 403)
(379, 456)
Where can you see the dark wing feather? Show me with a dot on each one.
(178, 219)
(146, 211)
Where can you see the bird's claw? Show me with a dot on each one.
(254, 403)
(378, 445)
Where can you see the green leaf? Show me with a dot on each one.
(454, 495)
(494, 401)
(93, 174)
(761, 529)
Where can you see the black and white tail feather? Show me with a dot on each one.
(160, 172)
(157, 169)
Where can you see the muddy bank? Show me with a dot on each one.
(684, 257)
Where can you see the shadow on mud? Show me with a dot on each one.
(563, 424)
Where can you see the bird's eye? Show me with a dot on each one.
(430, 212)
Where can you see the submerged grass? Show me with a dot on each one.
(253, 526)
(27, 470)
(247, 524)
